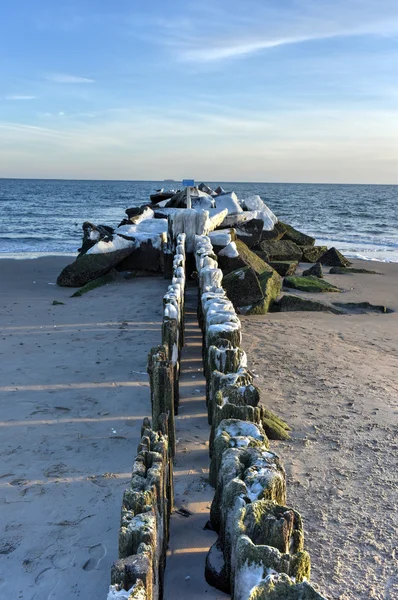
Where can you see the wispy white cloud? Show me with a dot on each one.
(63, 78)
(236, 32)
(19, 97)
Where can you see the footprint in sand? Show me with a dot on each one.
(47, 580)
(97, 553)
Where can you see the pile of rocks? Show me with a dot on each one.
(254, 248)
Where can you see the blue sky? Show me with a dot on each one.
(265, 90)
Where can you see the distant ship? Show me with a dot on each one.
(169, 180)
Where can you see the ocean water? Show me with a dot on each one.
(45, 216)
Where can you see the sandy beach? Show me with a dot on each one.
(74, 391)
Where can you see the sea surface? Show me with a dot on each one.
(45, 216)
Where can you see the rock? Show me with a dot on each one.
(334, 258)
(135, 211)
(205, 188)
(88, 267)
(215, 569)
(93, 234)
(276, 233)
(315, 270)
(220, 190)
(280, 250)
(230, 202)
(238, 255)
(243, 287)
(284, 267)
(312, 253)
(363, 307)
(145, 257)
(280, 586)
(220, 238)
(296, 236)
(110, 277)
(255, 203)
(247, 280)
(348, 270)
(309, 284)
(250, 232)
(290, 303)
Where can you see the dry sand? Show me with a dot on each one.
(335, 380)
(73, 394)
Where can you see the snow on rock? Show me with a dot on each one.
(220, 238)
(258, 206)
(230, 202)
(230, 251)
(118, 243)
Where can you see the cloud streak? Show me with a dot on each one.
(19, 97)
(63, 78)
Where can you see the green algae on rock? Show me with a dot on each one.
(99, 282)
(315, 270)
(309, 284)
(296, 236)
(280, 250)
(347, 270)
(291, 303)
(281, 587)
(284, 267)
(333, 258)
(312, 253)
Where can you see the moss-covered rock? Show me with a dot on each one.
(309, 284)
(276, 233)
(284, 267)
(333, 258)
(88, 267)
(296, 236)
(291, 303)
(250, 231)
(312, 253)
(348, 270)
(315, 270)
(110, 277)
(243, 287)
(253, 289)
(281, 250)
(282, 587)
(363, 307)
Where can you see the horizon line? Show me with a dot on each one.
(179, 181)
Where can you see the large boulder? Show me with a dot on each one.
(312, 253)
(333, 258)
(252, 292)
(237, 255)
(250, 232)
(309, 284)
(284, 267)
(280, 250)
(296, 236)
(88, 267)
(255, 203)
(243, 287)
(229, 201)
(277, 233)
